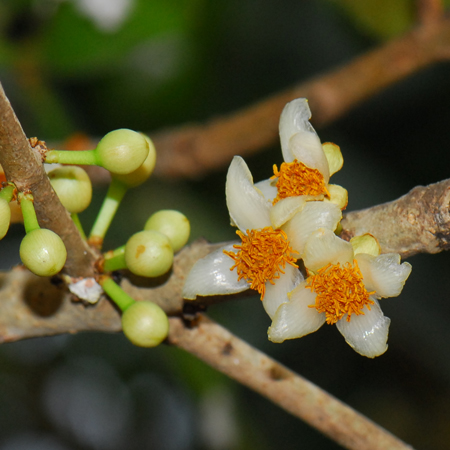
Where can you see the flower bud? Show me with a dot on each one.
(43, 252)
(122, 151)
(73, 187)
(171, 223)
(145, 324)
(148, 254)
(5, 217)
(143, 172)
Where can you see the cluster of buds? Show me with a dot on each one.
(130, 157)
(295, 215)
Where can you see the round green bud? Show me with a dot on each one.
(5, 217)
(171, 223)
(143, 172)
(43, 252)
(73, 187)
(148, 254)
(145, 324)
(122, 151)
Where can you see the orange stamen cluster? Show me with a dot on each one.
(262, 257)
(340, 291)
(295, 179)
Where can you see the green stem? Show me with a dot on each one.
(106, 214)
(115, 260)
(29, 214)
(85, 157)
(7, 192)
(116, 293)
(76, 221)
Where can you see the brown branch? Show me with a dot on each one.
(418, 222)
(429, 11)
(23, 166)
(33, 306)
(230, 355)
(193, 150)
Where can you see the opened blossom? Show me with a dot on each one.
(265, 258)
(308, 164)
(345, 281)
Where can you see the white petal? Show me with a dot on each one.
(277, 293)
(325, 247)
(268, 188)
(383, 274)
(314, 215)
(247, 207)
(294, 319)
(211, 275)
(285, 209)
(294, 118)
(367, 334)
(307, 148)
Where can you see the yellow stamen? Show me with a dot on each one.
(295, 178)
(340, 291)
(262, 257)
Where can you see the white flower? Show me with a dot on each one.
(308, 164)
(265, 260)
(344, 288)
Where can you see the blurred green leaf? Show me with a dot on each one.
(75, 46)
(382, 19)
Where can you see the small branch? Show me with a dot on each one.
(32, 306)
(429, 11)
(23, 167)
(230, 355)
(193, 150)
(418, 222)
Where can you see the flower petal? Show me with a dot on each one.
(367, 334)
(294, 118)
(365, 244)
(314, 215)
(307, 148)
(285, 209)
(334, 157)
(247, 207)
(294, 319)
(325, 247)
(338, 196)
(383, 274)
(268, 188)
(277, 293)
(211, 275)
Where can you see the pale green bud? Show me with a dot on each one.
(122, 151)
(43, 252)
(143, 172)
(148, 254)
(145, 324)
(171, 223)
(73, 187)
(5, 217)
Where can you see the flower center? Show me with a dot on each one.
(340, 290)
(262, 256)
(295, 178)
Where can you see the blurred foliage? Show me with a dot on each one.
(93, 74)
(382, 19)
